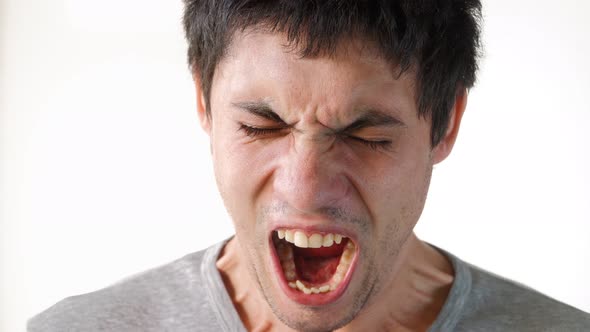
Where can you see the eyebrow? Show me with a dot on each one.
(260, 109)
(373, 118)
(369, 118)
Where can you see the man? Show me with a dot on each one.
(325, 120)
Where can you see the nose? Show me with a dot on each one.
(310, 177)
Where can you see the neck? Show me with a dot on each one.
(251, 306)
(410, 302)
(414, 297)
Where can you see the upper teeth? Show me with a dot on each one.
(316, 240)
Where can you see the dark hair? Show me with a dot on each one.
(439, 39)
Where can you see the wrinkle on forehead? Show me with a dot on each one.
(314, 91)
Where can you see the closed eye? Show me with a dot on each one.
(260, 131)
(373, 144)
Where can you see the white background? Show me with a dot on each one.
(105, 171)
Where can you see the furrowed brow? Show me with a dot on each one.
(373, 118)
(260, 109)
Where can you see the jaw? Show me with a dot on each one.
(317, 276)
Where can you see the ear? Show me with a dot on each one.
(204, 116)
(444, 147)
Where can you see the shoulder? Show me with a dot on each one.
(503, 304)
(144, 302)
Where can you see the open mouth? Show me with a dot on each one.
(317, 266)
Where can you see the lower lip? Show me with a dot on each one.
(311, 299)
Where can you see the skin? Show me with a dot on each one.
(308, 171)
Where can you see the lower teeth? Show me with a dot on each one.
(285, 253)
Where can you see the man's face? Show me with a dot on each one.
(331, 146)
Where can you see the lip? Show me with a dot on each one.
(312, 299)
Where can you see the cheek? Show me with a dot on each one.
(399, 200)
(227, 167)
(241, 171)
(399, 187)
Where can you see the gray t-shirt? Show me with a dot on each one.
(188, 295)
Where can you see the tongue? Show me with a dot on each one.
(317, 265)
(316, 270)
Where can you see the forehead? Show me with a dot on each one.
(258, 39)
(263, 65)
